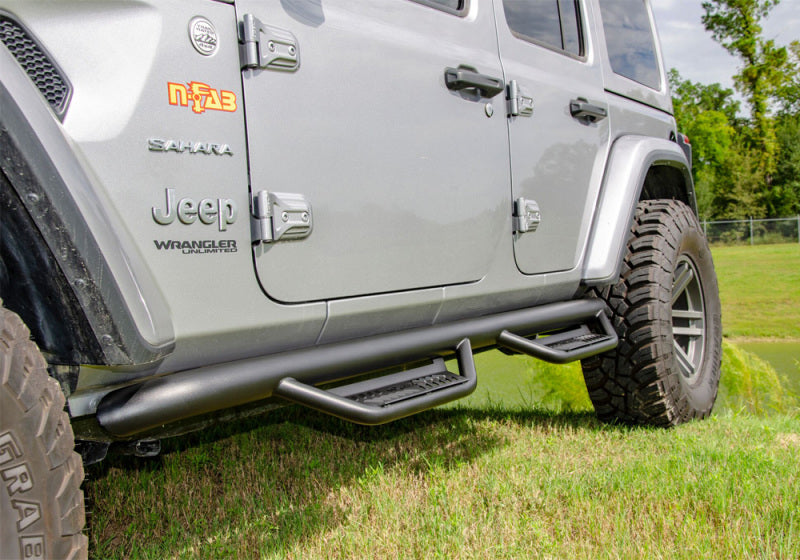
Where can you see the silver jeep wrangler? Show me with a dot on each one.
(211, 206)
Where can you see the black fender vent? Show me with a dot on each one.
(41, 69)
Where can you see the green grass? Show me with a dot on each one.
(760, 290)
(463, 483)
(521, 469)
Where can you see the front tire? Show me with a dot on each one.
(40, 474)
(666, 311)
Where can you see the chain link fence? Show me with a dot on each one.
(753, 232)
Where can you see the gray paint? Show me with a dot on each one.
(408, 180)
(213, 302)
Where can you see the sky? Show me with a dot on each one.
(687, 46)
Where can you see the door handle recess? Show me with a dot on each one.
(581, 109)
(465, 77)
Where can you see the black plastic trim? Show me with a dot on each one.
(462, 11)
(33, 286)
(60, 108)
(465, 77)
(580, 108)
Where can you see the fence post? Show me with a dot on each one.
(798, 228)
(751, 230)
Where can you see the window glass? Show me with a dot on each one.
(570, 28)
(553, 23)
(630, 41)
(452, 6)
(537, 20)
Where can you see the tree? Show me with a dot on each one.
(707, 115)
(735, 24)
(789, 92)
(693, 98)
(786, 187)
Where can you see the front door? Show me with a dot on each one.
(407, 179)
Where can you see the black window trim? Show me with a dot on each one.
(581, 35)
(442, 8)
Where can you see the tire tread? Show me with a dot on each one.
(631, 384)
(40, 408)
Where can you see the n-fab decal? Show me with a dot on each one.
(201, 96)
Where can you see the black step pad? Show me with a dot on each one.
(574, 343)
(409, 389)
(399, 387)
(566, 346)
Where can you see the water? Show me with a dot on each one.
(783, 356)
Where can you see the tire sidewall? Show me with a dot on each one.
(700, 392)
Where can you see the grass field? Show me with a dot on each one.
(521, 469)
(760, 290)
(464, 483)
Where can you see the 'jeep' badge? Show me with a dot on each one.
(203, 36)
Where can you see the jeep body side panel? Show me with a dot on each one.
(408, 180)
(124, 114)
(557, 159)
(120, 297)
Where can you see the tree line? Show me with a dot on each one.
(744, 166)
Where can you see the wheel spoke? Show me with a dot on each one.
(681, 282)
(688, 314)
(684, 363)
(687, 331)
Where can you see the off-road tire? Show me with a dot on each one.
(666, 368)
(42, 503)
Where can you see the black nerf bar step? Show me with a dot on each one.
(567, 346)
(295, 374)
(387, 398)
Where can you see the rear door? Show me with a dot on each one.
(407, 180)
(559, 141)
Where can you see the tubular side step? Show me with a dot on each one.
(568, 346)
(387, 398)
(293, 375)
